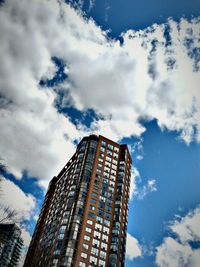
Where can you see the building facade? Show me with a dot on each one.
(83, 221)
(11, 245)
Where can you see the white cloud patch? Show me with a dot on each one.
(34, 136)
(135, 175)
(188, 228)
(121, 83)
(133, 249)
(149, 187)
(139, 157)
(13, 197)
(178, 251)
(91, 5)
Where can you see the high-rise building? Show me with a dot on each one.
(83, 220)
(11, 245)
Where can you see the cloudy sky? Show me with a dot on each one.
(126, 70)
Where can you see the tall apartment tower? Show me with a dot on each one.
(11, 245)
(83, 221)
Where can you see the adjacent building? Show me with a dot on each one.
(11, 245)
(83, 221)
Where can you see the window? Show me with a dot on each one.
(82, 264)
(105, 180)
(100, 212)
(55, 261)
(100, 159)
(99, 219)
(94, 194)
(97, 234)
(96, 188)
(108, 158)
(98, 226)
(110, 146)
(93, 200)
(106, 174)
(103, 254)
(56, 252)
(95, 251)
(111, 189)
(113, 172)
(60, 236)
(103, 143)
(90, 214)
(109, 152)
(85, 246)
(109, 195)
(84, 255)
(92, 207)
(106, 169)
(86, 237)
(102, 198)
(105, 238)
(104, 246)
(108, 208)
(106, 222)
(93, 260)
(101, 205)
(101, 155)
(116, 149)
(114, 167)
(103, 192)
(95, 242)
(112, 183)
(62, 229)
(102, 149)
(107, 164)
(90, 222)
(102, 263)
(87, 229)
(115, 155)
(106, 230)
(114, 161)
(112, 177)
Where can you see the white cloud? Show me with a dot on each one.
(177, 251)
(139, 157)
(174, 254)
(122, 83)
(34, 136)
(149, 187)
(91, 5)
(133, 186)
(188, 228)
(27, 239)
(133, 249)
(12, 196)
(24, 204)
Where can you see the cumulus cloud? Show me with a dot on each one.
(143, 78)
(178, 251)
(34, 136)
(133, 249)
(12, 197)
(188, 228)
(10, 192)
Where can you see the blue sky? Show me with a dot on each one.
(126, 70)
(119, 16)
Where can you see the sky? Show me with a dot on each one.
(128, 70)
